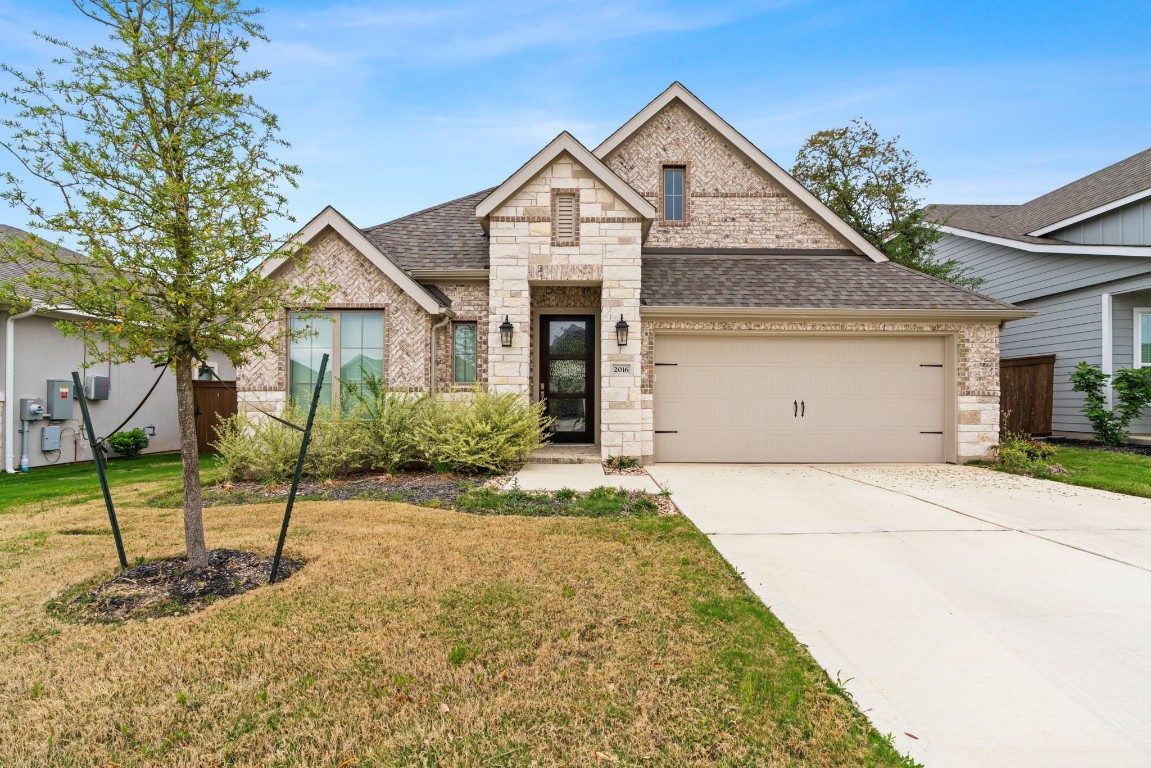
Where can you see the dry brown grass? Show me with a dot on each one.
(412, 637)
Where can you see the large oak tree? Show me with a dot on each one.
(150, 156)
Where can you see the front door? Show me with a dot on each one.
(567, 375)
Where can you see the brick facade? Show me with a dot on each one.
(729, 202)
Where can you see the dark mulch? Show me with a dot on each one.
(169, 588)
(1139, 450)
(421, 488)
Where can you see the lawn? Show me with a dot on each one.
(1128, 473)
(412, 636)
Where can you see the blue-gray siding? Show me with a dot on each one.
(1014, 275)
(1129, 225)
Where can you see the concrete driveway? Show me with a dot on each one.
(984, 619)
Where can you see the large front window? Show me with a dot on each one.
(355, 341)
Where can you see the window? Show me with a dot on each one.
(1142, 337)
(565, 217)
(673, 193)
(355, 341)
(464, 353)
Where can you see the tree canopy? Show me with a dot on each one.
(869, 182)
(161, 168)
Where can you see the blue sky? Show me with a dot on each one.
(394, 106)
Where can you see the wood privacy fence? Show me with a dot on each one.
(1026, 392)
(215, 401)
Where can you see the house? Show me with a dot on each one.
(36, 360)
(1080, 258)
(673, 295)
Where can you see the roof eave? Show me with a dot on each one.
(1069, 248)
(1090, 214)
(836, 313)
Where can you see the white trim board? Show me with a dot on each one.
(1069, 248)
(330, 217)
(1097, 211)
(677, 91)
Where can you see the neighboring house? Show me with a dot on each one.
(672, 294)
(40, 353)
(1080, 257)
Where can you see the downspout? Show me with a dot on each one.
(1108, 344)
(10, 386)
(432, 367)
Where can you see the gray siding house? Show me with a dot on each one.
(1080, 257)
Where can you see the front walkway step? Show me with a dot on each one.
(578, 477)
(566, 454)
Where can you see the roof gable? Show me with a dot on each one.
(1116, 185)
(565, 143)
(333, 219)
(677, 92)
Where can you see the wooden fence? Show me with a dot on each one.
(215, 401)
(1026, 390)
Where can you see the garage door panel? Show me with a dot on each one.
(735, 398)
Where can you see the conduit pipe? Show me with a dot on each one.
(10, 387)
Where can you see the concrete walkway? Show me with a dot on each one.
(578, 477)
(983, 619)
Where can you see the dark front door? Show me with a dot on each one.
(567, 375)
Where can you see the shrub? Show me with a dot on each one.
(264, 449)
(390, 422)
(1132, 388)
(487, 431)
(128, 444)
(1021, 451)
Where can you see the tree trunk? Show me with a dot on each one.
(193, 504)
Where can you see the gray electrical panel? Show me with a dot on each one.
(97, 387)
(31, 409)
(58, 403)
(50, 438)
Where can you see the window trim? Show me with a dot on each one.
(663, 168)
(334, 362)
(475, 351)
(1137, 337)
(556, 195)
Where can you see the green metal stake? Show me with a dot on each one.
(299, 470)
(98, 457)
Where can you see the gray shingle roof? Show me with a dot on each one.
(800, 282)
(445, 236)
(1122, 179)
(10, 270)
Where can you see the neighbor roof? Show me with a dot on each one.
(802, 282)
(1128, 178)
(12, 270)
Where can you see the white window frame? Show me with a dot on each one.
(1137, 335)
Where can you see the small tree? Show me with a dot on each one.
(1132, 387)
(868, 182)
(164, 176)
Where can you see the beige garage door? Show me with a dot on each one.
(799, 399)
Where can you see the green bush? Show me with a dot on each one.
(1021, 451)
(486, 431)
(128, 444)
(1132, 387)
(386, 431)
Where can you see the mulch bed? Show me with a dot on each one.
(418, 488)
(1139, 450)
(169, 588)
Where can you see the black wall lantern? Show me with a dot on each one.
(506, 329)
(621, 332)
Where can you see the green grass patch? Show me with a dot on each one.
(78, 483)
(599, 502)
(1128, 473)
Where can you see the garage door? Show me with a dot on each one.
(799, 399)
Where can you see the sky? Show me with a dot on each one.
(391, 107)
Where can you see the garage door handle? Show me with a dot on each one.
(802, 408)
(794, 409)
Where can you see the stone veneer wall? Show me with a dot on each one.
(606, 255)
(469, 304)
(730, 203)
(358, 285)
(977, 366)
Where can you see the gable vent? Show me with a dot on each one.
(565, 218)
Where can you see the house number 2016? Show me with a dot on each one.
(621, 368)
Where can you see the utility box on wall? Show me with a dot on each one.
(31, 409)
(58, 403)
(97, 387)
(50, 438)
